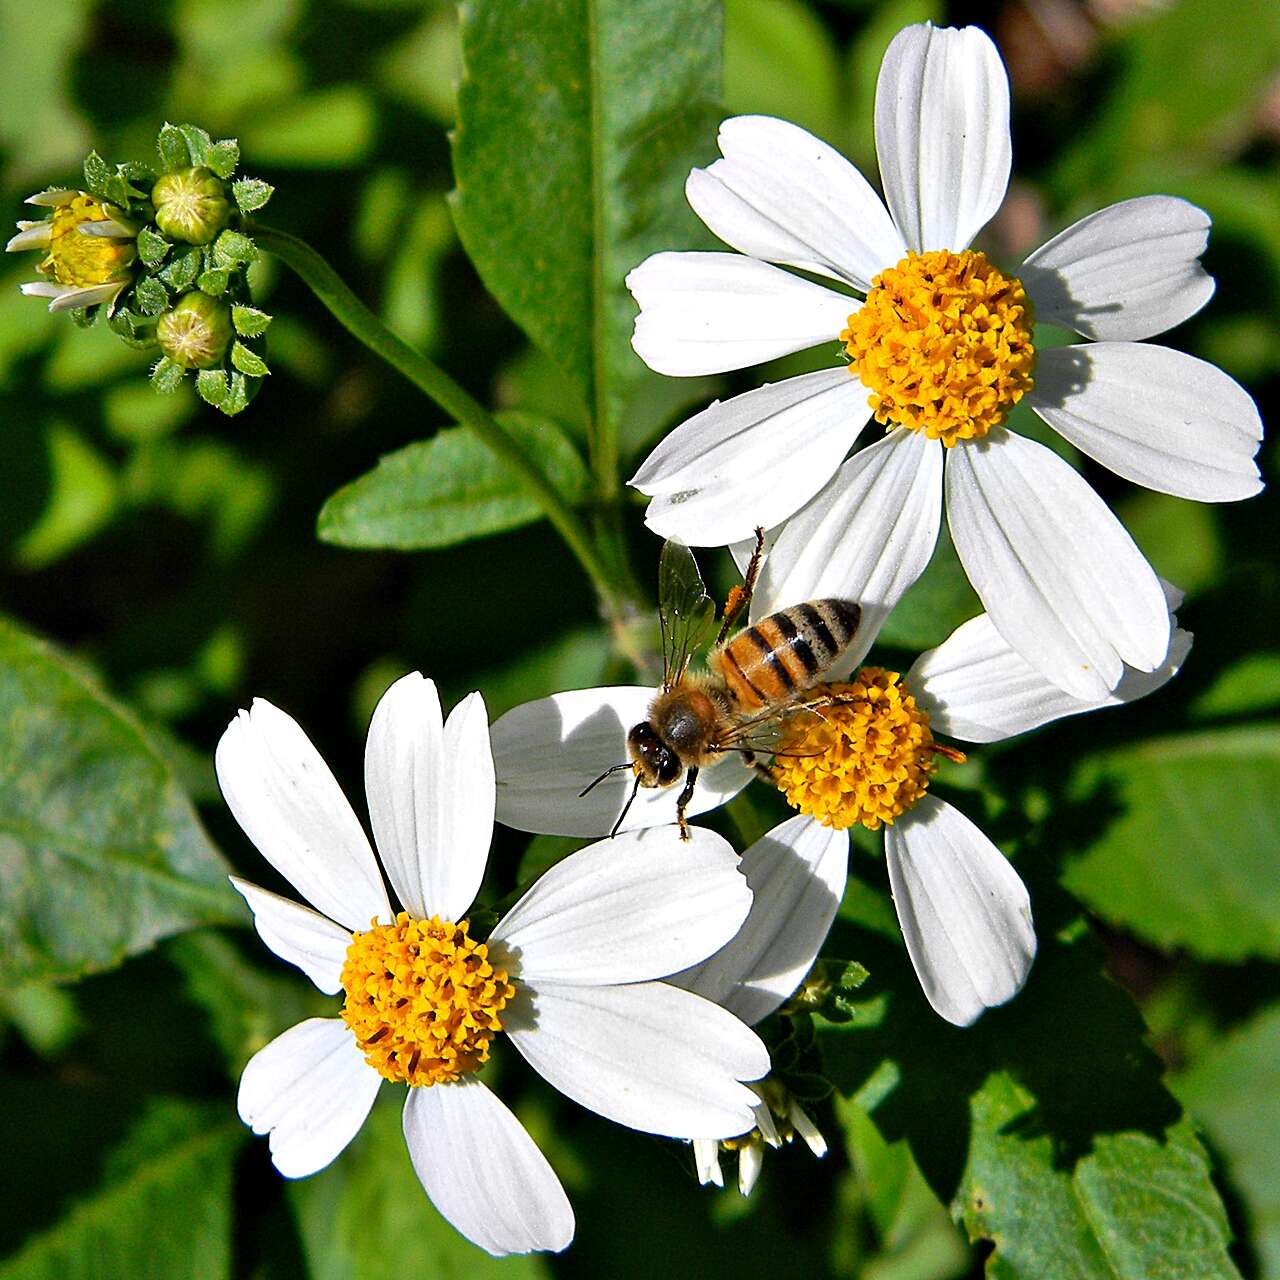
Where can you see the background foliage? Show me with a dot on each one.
(163, 564)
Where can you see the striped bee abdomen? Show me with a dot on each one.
(787, 651)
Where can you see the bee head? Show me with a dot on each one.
(654, 763)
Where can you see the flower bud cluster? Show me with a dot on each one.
(163, 252)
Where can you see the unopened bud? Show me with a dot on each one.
(191, 205)
(195, 333)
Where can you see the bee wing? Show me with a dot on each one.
(685, 611)
(763, 733)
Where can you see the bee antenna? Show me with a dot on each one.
(625, 808)
(626, 764)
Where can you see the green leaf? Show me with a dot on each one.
(448, 489)
(249, 322)
(578, 123)
(212, 386)
(1234, 1092)
(103, 855)
(84, 496)
(1187, 854)
(151, 296)
(152, 247)
(1045, 1126)
(251, 193)
(371, 1193)
(167, 374)
(172, 148)
(198, 143)
(231, 249)
(249, 363)
(223, 157)
(163, 1208)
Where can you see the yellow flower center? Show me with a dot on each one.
(943, 342)
(84, 260)
(422, 999)
(865, 757)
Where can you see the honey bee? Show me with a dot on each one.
(753, 682)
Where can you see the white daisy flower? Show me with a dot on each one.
(797, 874)
(965, 914)
(568, 973)
(940, 348)
(88, 248)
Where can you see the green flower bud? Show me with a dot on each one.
(191, 205)
(195, 333)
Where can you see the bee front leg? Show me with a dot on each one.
(683, 802)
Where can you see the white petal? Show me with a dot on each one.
(942, 134)
(89, 297)
(647, 1055)
(292, 808)
(808, 1131)
(710, 312)
(1062, 580)
(36, 237)
(636, 907)
(1128, 271)
(310, 1089)
(108, 229)
(866, 537)
(299, 935)
(975, 687)
(483, 1171)
(782, 195)
(45, 289)
(53, 197)
(1158, 417)
(965, 914)
(750, 1162)
(797, 875)
(546, 752)
(752, 460)
(706, 1158)
(430, 796)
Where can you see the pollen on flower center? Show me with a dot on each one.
(81, 260)
(864, 757)
(423, 1001)
(943, 342)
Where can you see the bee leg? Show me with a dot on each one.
(683, 802)
(740, 597)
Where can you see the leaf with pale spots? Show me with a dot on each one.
(578, 123)
(102, 853)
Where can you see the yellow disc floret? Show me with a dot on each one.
(864, 755)
(423, 1001)
(943, 342)
(79, 259)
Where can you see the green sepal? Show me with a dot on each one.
(211, 385)
(182, 270)
(239, 393)
(152, 247)
(167, 374)
(249, 322)
(249, 363)
(138, 173)
(223, 157)
(151, 296)
(96, 174)
(251, 193)
(84, 317)
(198, 144)
(231, 249)
(172, 148)
(213, 282)
(134, 330)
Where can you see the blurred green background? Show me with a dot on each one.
(174, 553)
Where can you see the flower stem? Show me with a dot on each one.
(437, 385)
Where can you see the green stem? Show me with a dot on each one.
(434, 383)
